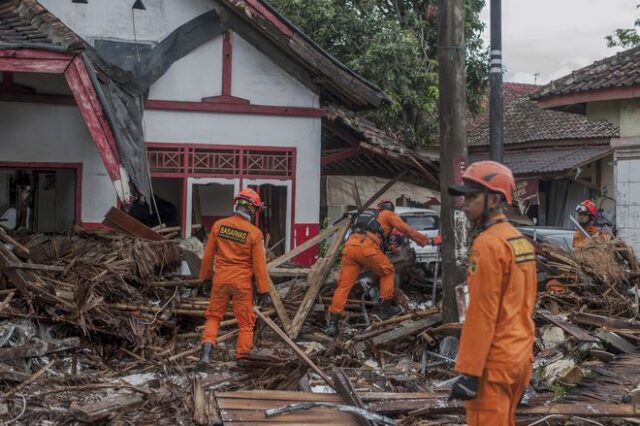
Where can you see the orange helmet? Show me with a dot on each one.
(491, 175)
(248, 196)
(587, 206)
(386, 204)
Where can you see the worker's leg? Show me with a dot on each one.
(243, 311)
(218, 302)
(492, 405)
(349, 272)
(374, 259)
(518, 388)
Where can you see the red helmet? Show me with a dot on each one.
(491, 175)
(587, 206)
(386, 204)
(250, 196)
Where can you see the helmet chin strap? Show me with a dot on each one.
(244, 214)
(485, 219)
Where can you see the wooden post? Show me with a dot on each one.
(453, 149)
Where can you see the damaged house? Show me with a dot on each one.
(190, 101)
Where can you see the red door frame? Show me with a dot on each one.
(76, 167)
(75, 72)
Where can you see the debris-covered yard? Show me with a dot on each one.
(101, 327)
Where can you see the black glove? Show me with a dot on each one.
(264, 300)
(465, 388)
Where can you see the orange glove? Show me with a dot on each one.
(436, 241)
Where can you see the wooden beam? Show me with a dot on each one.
(289, 272)
(120, 220)
(293, 346)
(406, 330)
(346, 390)
(317, 277)
(323, 235)
(235, 108)
(572, 329)
(278, 305)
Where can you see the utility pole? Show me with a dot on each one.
(496, 106)
(453, 149)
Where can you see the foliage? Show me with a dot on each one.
(625, 37)
(393, 44)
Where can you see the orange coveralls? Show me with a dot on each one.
(498, 332)
(363, 251)
(238, 249)
(579, 239)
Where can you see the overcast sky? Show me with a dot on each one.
(555, 37)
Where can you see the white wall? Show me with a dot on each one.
(113, 18)
(257, 78)
(54, 133)
(253, 76)
(236, 129)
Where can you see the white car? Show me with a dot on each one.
(427, 222)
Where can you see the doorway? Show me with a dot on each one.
(39, 199)
(275, 219)
(209, 199)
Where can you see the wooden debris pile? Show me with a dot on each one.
(89, 280)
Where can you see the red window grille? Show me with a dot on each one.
(200, 160)
(268, 163)
(166, 159)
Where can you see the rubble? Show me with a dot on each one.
(102, 327)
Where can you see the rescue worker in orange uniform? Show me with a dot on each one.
(364, 250)
(237, 247)
(587, 215)
(496, 347)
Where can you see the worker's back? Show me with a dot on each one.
(235, 240)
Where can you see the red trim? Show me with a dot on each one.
(36, 54)
(35, 165)
(258, 7)
(235, 108)
(34, 98)
(91, 110)
(226, 100)
(341, 155)
(304, 232)
(227, 49)
(92, 226)
(611, 94)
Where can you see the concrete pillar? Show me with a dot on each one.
(627, 189)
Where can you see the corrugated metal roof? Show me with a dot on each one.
(548, 160)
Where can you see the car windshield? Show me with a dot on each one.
(564, 240)
(422, 222)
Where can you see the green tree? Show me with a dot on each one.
(625, 37)
(393, 43)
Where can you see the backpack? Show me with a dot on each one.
(367, 221)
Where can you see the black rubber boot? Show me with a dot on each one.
(388, 310)
(204, 357)
(333, 328)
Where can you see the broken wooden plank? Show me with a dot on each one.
(616, 341)
(345, 389)
(572, 329)
(316, 278)
(410, 316)
(104, 409)
(121, 221)
(293, 346)
(19, 249)
(406, 330)
(204, 406)
(36, 267)
(278, 305)
(323, 235)
(39, 348)
(361, 413)
(289, 272)
(606, 322)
